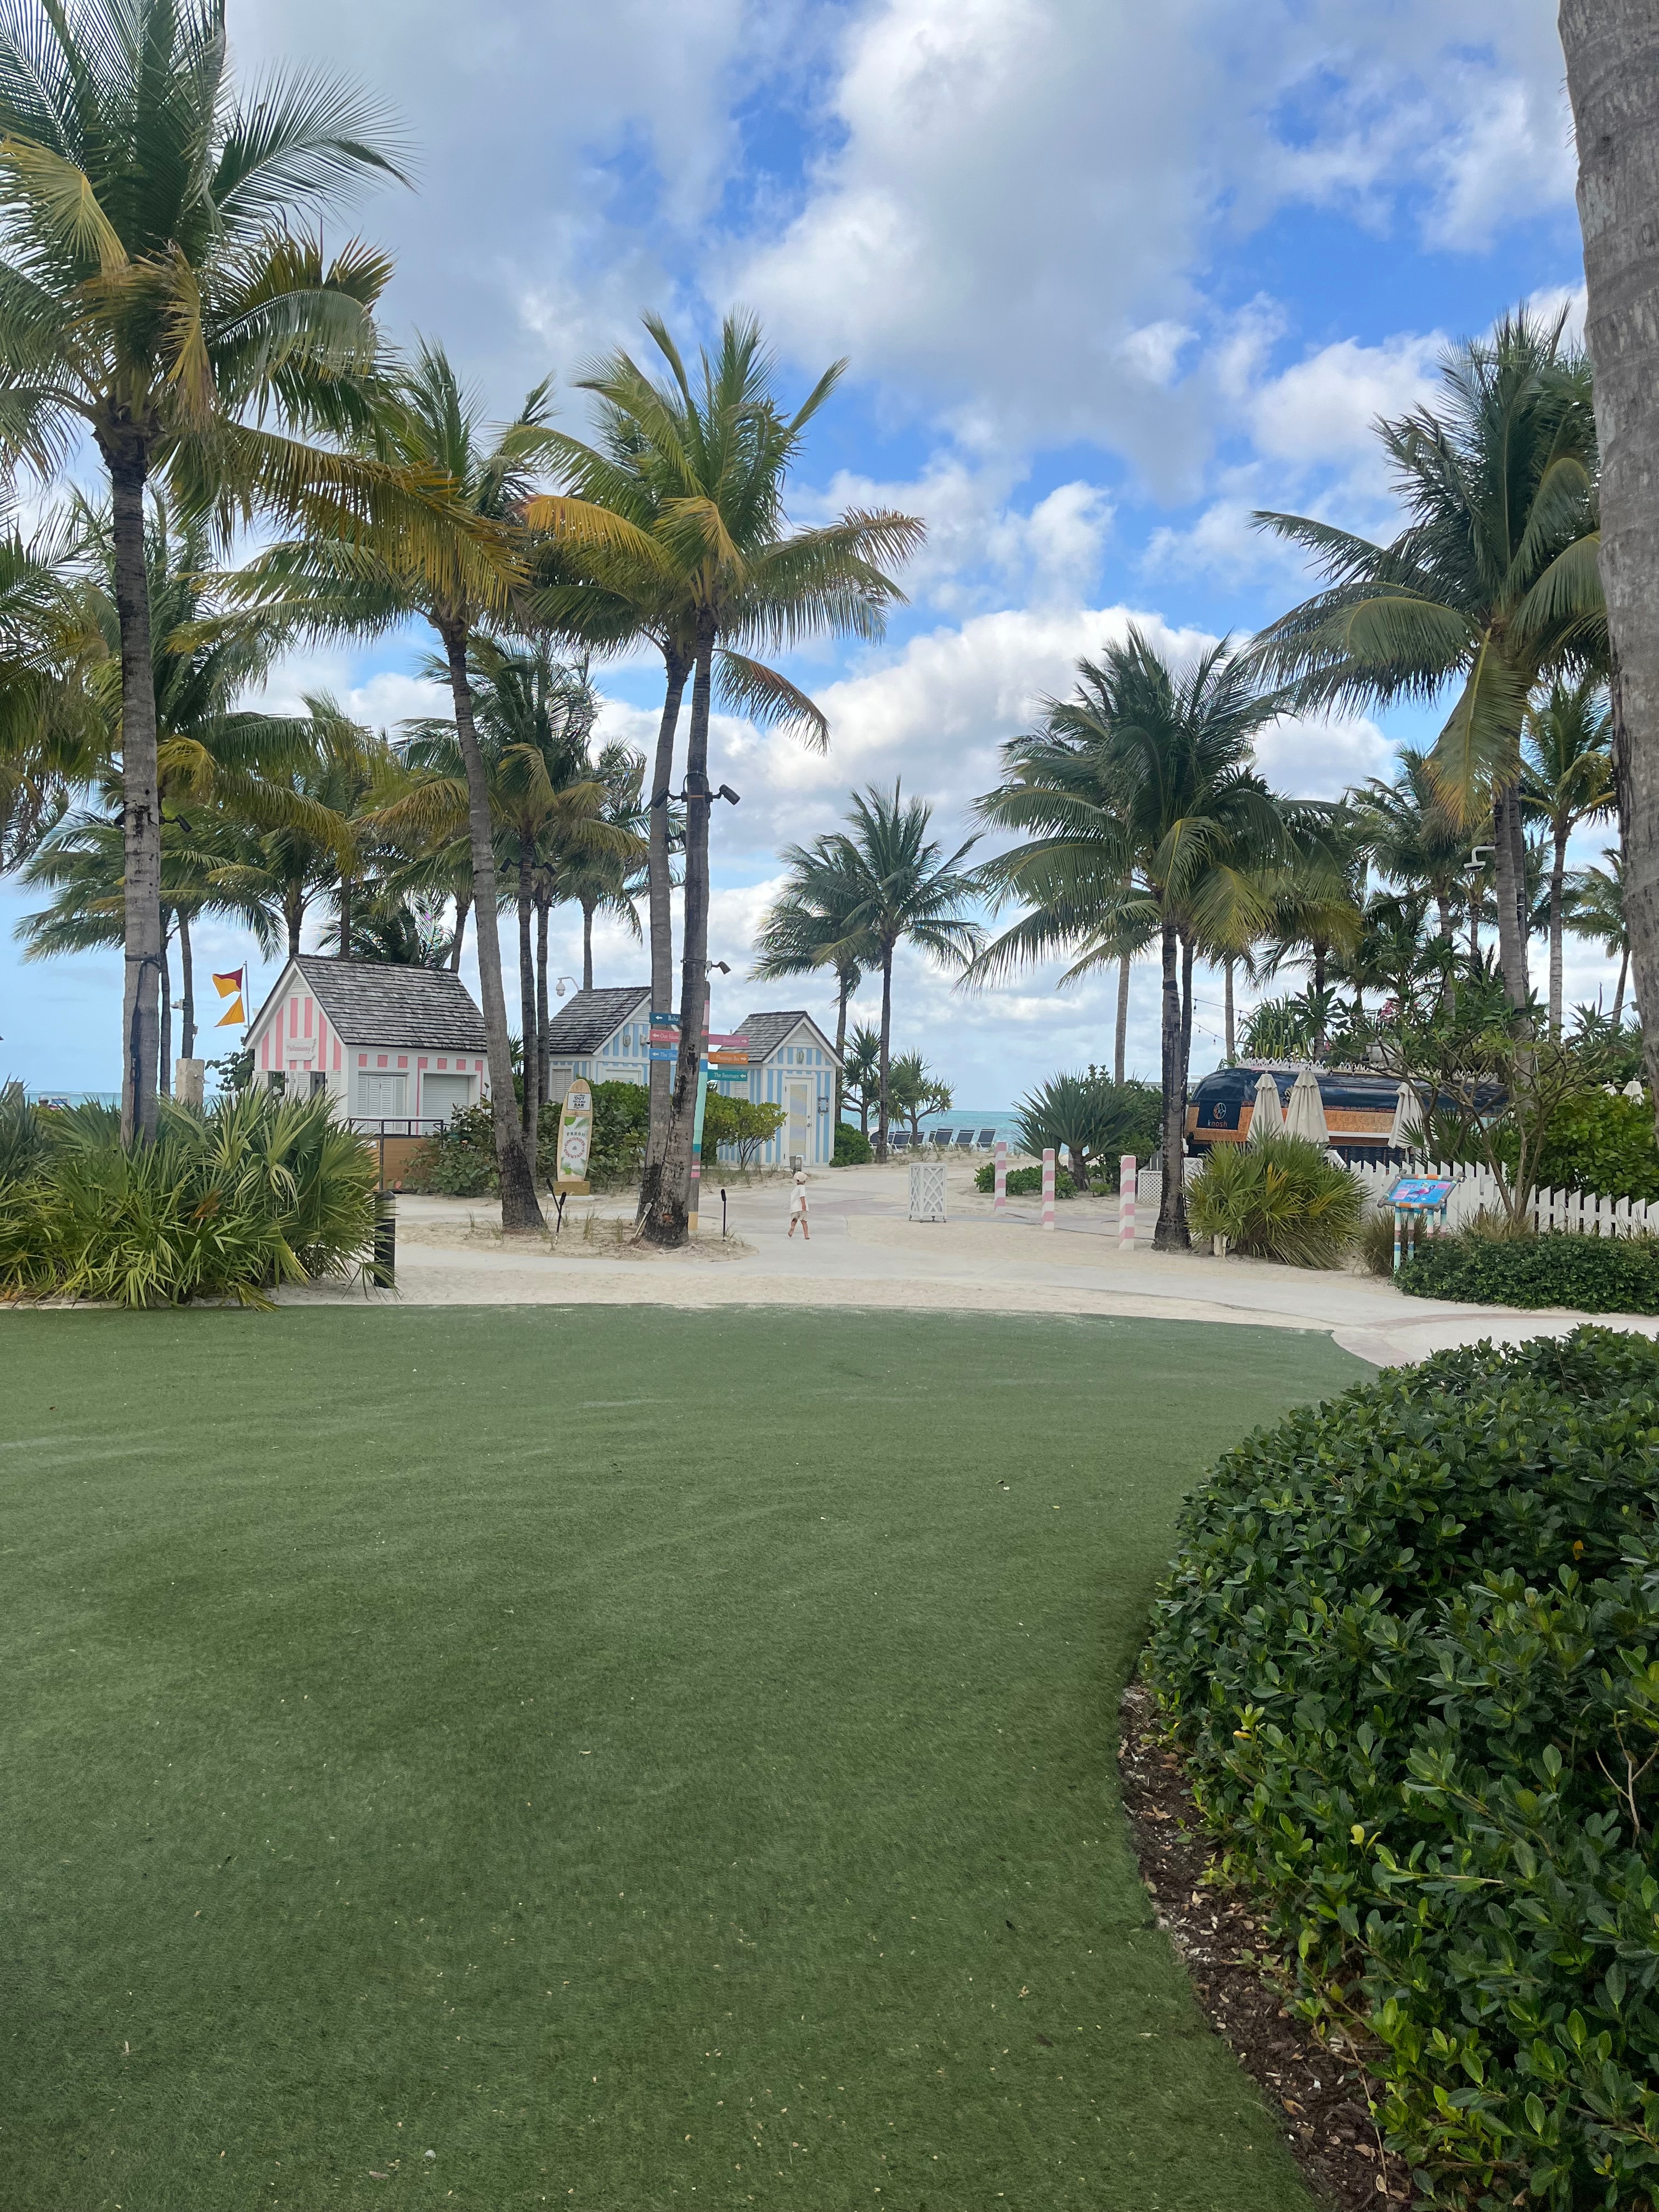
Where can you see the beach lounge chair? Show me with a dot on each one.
(987, 1139)
(897, 1139)
(964, 1140)
(940, 1137)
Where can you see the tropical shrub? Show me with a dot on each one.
(257, 1191)
(1602, 1144)
(852, 1148)
(745, 1124)
(622, 1121)
(1091, 1120)
(1024, 1182)
(1410, 1648)
(1281, 1200)
(459, 1161)
(1587, 1274)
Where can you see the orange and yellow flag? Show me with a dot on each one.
(232, 987)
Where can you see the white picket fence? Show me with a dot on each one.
(1581, 1212)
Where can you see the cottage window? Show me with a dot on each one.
(382, 1097)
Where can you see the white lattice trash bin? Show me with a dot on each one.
(927, 1190)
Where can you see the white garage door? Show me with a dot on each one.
(441, 1095)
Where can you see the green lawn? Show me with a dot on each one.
(647, 1758)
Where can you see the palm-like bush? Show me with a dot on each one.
(1092, 1119)
(1281, 1201)
(259, 1192)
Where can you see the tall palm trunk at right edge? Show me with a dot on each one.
(519, 1211)
(529, 1053)
(141, 811)
(886, 1037)
(1120, 1040)
(659, 886)
(1612, 49)
(666, 1221)
(1170, 1234)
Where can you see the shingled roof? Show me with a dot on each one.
(582, 1025)
(381, 1003)
(766, 1032)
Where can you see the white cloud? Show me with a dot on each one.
(1324, 409)
(976, 233)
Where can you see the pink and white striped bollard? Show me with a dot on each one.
(1126, 1202)
(1001, 1199)
(1049, 1187)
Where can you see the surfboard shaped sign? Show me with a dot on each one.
(575, 1139)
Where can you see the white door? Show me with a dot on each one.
(799, 1130)
(441, 1095)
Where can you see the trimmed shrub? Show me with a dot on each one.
(1587, 1274)
(1281, 1200)
(1024, 1182)
(622, 1121)
(852, 1148)
(1602, 1144)
(1410, 1647)
(459, 1162)
(256, 1192)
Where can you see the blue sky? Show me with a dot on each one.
(1109, 276)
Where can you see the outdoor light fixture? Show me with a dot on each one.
(725, 791)
(563, 980)
(1479, 854)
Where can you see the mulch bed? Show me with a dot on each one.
(1320, 2090)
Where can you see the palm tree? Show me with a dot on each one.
(1566, 778)
(460, 576)
(53, 742)
(1595, 908)
(1141, 809)
(610, 880)
(805, 929)
(157, 292)
(1415, 843)
(694, 476)
(1615, 90)
(1491, 586)
(905, 891)
(861, 1070)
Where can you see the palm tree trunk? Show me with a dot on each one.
(543, 1050)
(587, 963)
(886, 1040)
(659, 882)
(164, 1071)
(1121, 1042)
(519, 1211)
(140, 812)
(529, 1056)
(1186, 1010)
(1511, 941)
(1170, 1234)
(1558, 883)
(187, 987)
(1232, 1055)
(345, 914)
(463, 900)
(1613, 79)
(666, 1217)
(1618, 995)
(846, 991)
(1448, 987)
(294, 913)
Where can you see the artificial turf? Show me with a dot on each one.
(646, 1758)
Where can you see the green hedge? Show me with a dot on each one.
(1408, 1646)
(459, 1162)
(852, 1148)
(1024, 1182)
(1602, 1144)
(1587, 1274)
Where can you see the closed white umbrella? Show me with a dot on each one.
(1408, 1130)
(1267, 1117)
(1305, 1116)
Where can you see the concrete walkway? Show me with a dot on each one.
(865, 1252)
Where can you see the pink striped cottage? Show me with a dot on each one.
(399, 1049)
